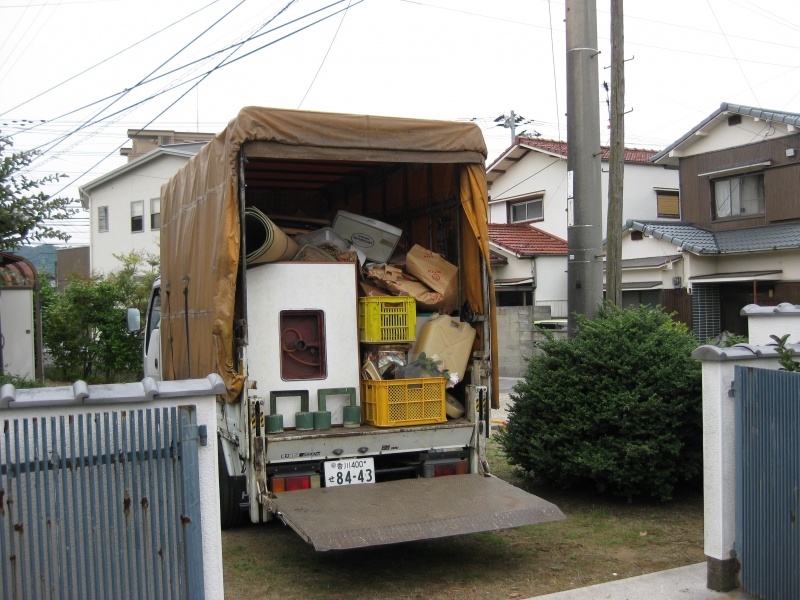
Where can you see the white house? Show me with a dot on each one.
(528, 184)
(124, 204)
(528, 187)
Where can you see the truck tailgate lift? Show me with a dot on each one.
(358, 516)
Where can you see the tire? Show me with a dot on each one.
(231, 490)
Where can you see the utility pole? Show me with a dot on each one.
(511, 122)
(584, 209)
(616, 168)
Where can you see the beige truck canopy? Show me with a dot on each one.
(418, 175)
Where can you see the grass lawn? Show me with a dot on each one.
(601, 540)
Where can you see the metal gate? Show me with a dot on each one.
(101, 505)
(768, 481)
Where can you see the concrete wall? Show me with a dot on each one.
(516, 338)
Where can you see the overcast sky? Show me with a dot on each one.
(75, 75)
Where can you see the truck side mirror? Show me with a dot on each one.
(134, 320)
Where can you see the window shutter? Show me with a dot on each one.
(668, 205)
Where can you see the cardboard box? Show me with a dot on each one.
(398, 283)
(435, 272)
(377, 240)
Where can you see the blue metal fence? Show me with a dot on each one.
(101, 505)
(768, 481)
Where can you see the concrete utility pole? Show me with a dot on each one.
(584, 209)
(616, 169)
(511, 122)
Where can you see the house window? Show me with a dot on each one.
(102, 218)
(155, 213)
(527, 210)
(668, 204)
(137, 216)
(739, 196)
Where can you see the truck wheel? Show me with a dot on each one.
(231, 490)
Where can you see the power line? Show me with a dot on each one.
(324, 57)
(223, 63)
(94, 66)
(199, 60)
(738, 64)
(127, 91)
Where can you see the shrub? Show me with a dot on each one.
(616, 408)
(84, 328)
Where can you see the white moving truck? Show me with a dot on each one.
(302, 437)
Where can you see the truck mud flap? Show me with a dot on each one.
(358, 516)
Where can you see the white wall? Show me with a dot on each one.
(16, 325)
(550, 177)
(723, 136)
(787, 261)
(142, 183)
(551, 284)
(764, 321)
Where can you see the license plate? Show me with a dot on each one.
(349, 471)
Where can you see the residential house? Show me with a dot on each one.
(738, 239)
(528, 186)
(124, 204)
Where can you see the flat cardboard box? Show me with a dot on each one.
(377, 240)
(434, 271)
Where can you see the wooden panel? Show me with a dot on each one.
(782, 180)
(788, 291)
(782, 193)
(679, 302)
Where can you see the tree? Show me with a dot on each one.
(85, 327)
(25, 210)
(617, 408)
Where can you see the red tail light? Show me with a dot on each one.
(457, 468)
(290, 484)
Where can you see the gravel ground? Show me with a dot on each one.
(500, 415)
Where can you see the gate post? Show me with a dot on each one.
(719, 464)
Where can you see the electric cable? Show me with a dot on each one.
(127, 91)
(94, 66)
(555, 79)
(324, 57)
(225, 62)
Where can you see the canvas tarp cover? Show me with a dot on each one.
(200, 232)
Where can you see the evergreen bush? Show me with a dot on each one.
(616, 408)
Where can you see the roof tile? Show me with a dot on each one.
(525, 240)
(637, 155)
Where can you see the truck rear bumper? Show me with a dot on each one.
(366, 441)
(357, 516)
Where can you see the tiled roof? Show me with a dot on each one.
(702, 241)
(524, 240)
(638, 155)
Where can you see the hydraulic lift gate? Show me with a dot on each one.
(407, 510)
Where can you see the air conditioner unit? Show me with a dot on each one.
(676, 282)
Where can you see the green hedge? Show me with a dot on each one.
(616, 408)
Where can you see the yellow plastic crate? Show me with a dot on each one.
(387, 319)
(399, 402)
